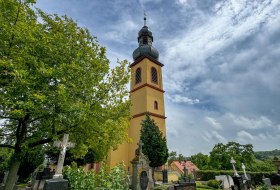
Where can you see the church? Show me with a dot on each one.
(146, 94)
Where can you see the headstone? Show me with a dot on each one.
(238, 183)
(226, 180)
(267, 182)
(56, 184)
(63, 145)
(142, 173)
(185, 183)
(164, 176)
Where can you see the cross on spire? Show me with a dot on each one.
(145, 19)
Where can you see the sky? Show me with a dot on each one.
(221, 57)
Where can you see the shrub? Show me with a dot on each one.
(117, 178)
(213, 183)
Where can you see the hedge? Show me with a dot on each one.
(256, 177)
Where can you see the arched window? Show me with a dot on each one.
(155, 105)
(138, 76)
(154, 75)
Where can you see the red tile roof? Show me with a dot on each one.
(189, 165)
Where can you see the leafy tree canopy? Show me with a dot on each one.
(200, 160)
(221, 154)
(54, 79)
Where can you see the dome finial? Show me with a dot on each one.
(145, 18)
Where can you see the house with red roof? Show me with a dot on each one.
(179, 166)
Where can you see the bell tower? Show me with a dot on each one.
(146, 88)
(146, 93)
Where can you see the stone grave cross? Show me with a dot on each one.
(141, 144)
(63, 145)
(243, 167)
(185, 171)
(232, 161)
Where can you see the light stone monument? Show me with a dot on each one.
(63, 145)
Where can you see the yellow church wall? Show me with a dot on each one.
(152, 96)
(138, 101)
(119, 155)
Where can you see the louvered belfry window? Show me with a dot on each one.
(138, 76)
(154, 75)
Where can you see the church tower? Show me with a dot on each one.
(146, 93)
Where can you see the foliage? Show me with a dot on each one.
(205, 175)
(262, 166)
(154, 143)
(55, 79)
(200, 160)
(5, 156)
(117, 178)
(221, 154)
(213, 183)
(31, 160)
(171, 157)
(263, 155)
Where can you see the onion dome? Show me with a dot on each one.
(145, 40)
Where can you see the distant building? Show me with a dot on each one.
(179, 167)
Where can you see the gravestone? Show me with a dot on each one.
(164, 176)
(185, 183)
(142, 172)
(58, 183)
(227, 181)
(267, 182)
(246, 179)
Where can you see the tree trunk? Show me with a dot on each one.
(153, 175)
(12, 176)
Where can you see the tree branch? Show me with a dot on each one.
(7, 146)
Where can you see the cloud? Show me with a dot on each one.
(243, 136)
(182, 99)
(251, 123)
(213, 136)
(213, 122)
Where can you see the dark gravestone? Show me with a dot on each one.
(45, 174)
(143, 180)
(247, 181)
(2, 175)
(164, 176)
(275, 179)
(238, 183)
(56, 184)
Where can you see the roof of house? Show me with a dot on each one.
(189, 165)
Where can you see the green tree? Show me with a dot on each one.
(171, 157)
(221, 154)
(262, 166)
(155, 146)
(55, 79)
(200, 160)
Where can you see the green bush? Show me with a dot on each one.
(117, 178)
(256, 177)
(213, 183)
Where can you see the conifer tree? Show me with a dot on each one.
(155, 146)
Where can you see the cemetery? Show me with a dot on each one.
(69, 122)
